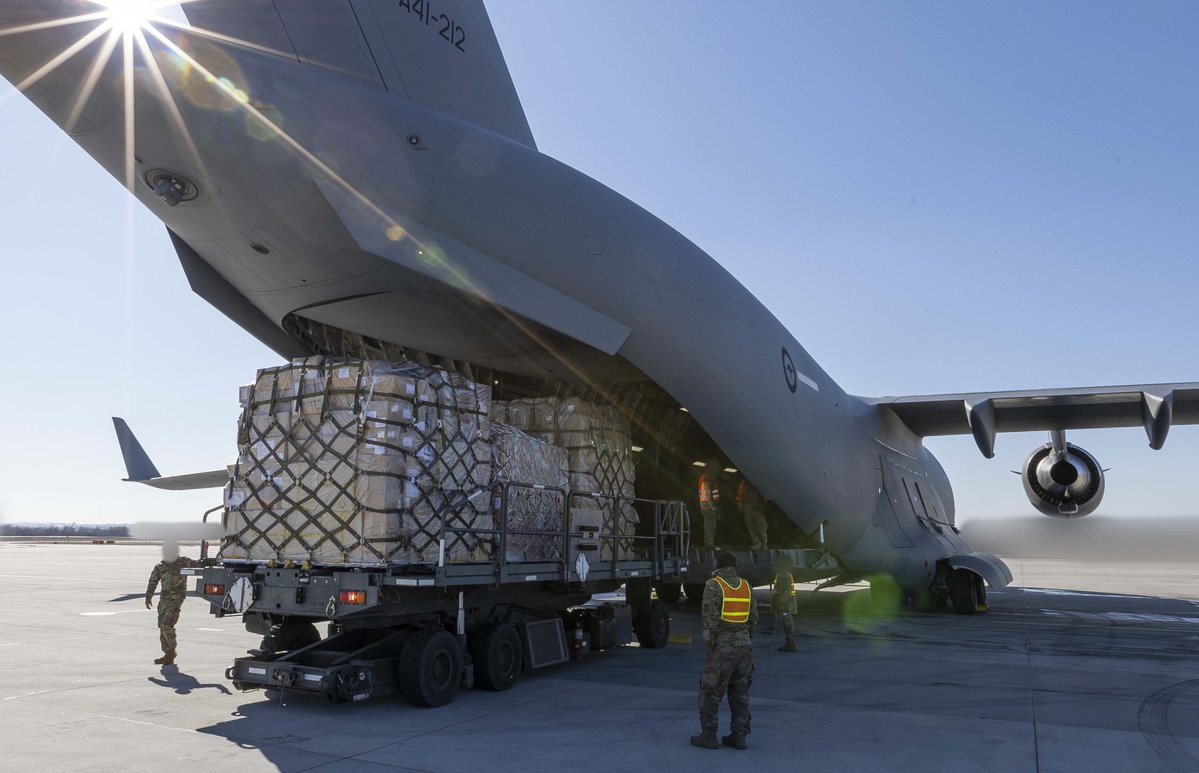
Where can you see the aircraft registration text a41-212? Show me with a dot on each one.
(447, 28)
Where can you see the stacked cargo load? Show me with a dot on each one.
(598, 444)
(345, 462)
(528, 463)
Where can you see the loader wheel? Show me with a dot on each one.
(653, 626)
(291, 635)
(963, 592)
(430, 668)
(670, 592)
(497, 655)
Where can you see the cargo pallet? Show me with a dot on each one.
(424, 629)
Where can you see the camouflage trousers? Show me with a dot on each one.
(755, 521)
(788, 624)
(710, 515)
(168, 615)
(728, 669)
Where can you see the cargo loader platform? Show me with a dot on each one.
(424, 629)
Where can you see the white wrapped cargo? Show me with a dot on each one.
(348, 462)
(598, 445)
(522, 459)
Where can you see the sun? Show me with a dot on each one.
(128, 15)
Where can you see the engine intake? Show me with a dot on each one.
(1066, 483)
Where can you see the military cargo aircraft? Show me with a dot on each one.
(358, 178)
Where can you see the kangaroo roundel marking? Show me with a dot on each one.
(789, 371)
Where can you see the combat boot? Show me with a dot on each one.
(705, 741)
(165, 660)
(735, 741)
(788, 645)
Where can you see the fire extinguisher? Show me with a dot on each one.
(578, 647)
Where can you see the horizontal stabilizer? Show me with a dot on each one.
(141, 470)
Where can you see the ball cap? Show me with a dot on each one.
(726, 560)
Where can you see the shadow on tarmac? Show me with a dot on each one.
(183, 683)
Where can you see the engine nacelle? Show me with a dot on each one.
(1063, 484)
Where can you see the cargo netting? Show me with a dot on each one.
(359, 463)
(598, 445)
(528, 463)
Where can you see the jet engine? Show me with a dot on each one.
(1062, 480)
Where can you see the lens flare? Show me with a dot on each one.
(128, 14)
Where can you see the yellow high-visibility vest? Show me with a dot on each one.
(734, 608)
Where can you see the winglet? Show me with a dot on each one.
(137, 462)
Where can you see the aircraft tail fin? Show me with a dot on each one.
(137, 461)
(142, 470)
(439, 53)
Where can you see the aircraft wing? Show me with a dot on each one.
(982, 414)
(142, 470)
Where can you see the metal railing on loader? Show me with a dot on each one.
(614, 549)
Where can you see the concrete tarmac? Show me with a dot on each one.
(1048, 680)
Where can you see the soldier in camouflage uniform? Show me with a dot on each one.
(753, 508)
(729, 616)
(174, 590)
(709, 502)
(783, 600)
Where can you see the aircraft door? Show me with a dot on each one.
(885, 513)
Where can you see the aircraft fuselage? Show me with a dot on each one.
(322, 198)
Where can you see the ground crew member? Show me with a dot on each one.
(729, 616)
(709, 504)
(174, 590)
(752, 505)
(783, 601)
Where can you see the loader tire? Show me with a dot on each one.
(497, 655)
(295, 635)
(653, 626)
(430, 668)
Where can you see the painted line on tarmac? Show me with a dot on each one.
(26, 695)
(214, 630)
(106, 614)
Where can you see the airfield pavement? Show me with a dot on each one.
(1048, 680)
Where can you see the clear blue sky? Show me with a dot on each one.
(931, 196)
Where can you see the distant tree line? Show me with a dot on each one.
(104, 530)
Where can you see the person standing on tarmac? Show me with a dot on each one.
(729, 616)
(174, 590)
(752, 505)
(709, 502)
(783, 601)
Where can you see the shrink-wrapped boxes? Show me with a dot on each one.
(520, 462)
(347, 462)
(598, 445)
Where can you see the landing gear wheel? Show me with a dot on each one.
(695, 593)
(497, 654)
(670, 592)
(430, 668)
(963, 592)
(653, 626)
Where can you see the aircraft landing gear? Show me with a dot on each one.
(967, 593)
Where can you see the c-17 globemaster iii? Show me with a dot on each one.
(359, 179)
